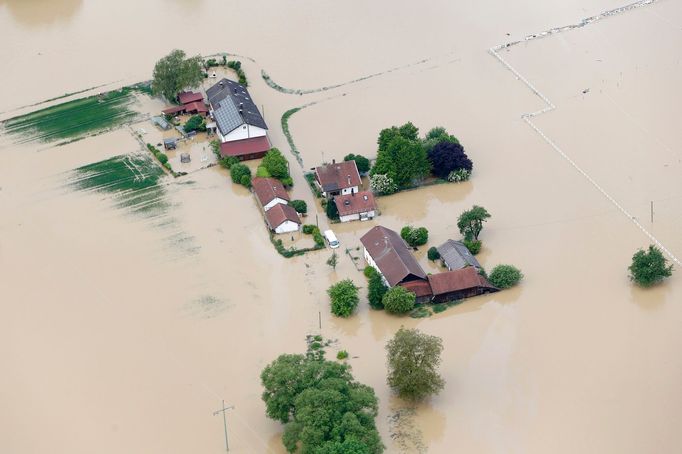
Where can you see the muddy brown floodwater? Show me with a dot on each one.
(126, 317)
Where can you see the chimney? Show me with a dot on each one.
(333, 161)
(221, 84)
(352, 192)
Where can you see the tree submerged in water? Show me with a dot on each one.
(174, 73)
(325, 411)
(649, 267)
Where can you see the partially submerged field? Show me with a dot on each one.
(124, 327)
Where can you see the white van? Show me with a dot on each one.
(331, 239)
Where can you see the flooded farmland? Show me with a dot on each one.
(133, 303)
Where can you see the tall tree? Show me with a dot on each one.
(361, 161)
(344, 298)
(470, 223)
(323, 408)
(413, 360)
(437, 135)
(446, 157)
(276, 164)
(398, 300)
(174, 73)
(649, 267)
(402, 160)
(376, 289)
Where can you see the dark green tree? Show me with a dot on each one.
(195, 123)
(433, 253)
(398, 300)
(238, 171)
(403, 160)
(437, 135)
(361, 161)
(413, 359)
(414, 236)
(174, 73)
(332, 210)
(299, 205)
(649, 267)
(344, 298)
(376, 290)
(470, 223)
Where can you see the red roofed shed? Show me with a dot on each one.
(458, 284)
(245, 149)
(186, 97)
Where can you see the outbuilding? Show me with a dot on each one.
(455, 255)
(458, 284)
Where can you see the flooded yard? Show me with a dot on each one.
(134, 302)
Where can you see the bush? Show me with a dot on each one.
(397, 300)
(361, 161)
(505, 276)
(287, 181)
(343, 354)
(299, 205)
(309, 228)
(414, 236)
(228, 162)
(344, 298)
(276, 164)
(650, 267)
(245, 180)
(433, 253)
(446, 157)
(262, 172)
(369, 271)
(317, 237)
(459, 175)
(168, 166)
(382, 184)
(474, 246)
(195, 123)
(237, 171)
(162, 157)
(376, 291)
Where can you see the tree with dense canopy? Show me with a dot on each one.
(361, 161)
(299, 205)
(276, 164)
(505, 276)
(332, 210)
(649, 267)
(175, 73)
(401, 156)
(470, 223)
(376, 290)
(344, 298)
(238, 172)
(437, 135)
(433, 253)
(414, 236)
(195, 123)
(325, 410)
(398, 300)
(446, 157)
(413, 359)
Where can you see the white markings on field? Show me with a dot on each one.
(549, 106)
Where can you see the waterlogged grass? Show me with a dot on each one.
(132, 180)
(74, 119)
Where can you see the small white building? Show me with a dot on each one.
(269, 192)
(340, 178)
(282, 219)
(359, 206)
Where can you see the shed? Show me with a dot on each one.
(455, 255)
(458, 284)
(161, 123)
(421, 289)
(245, 149)
(169, 144)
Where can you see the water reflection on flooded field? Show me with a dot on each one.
(125, 324)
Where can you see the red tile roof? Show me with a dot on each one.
(280, 213)
(174, 109)
(456, 280)
(186, 97)
(268, 189)
(337, 176)
(391, 255)
(357, 203)
(245, 146)
(198, 106)
(419, 288)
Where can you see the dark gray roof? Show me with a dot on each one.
(228, 98)
(456, 255)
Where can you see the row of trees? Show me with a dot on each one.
(404, 159)
(326, 411)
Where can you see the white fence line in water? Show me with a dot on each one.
(550, 106)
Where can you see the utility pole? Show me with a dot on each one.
(222, 410)
(652, 211)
